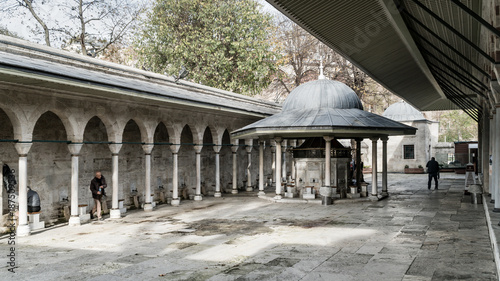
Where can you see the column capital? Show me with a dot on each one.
(384, 138)
(175, 148)
(248, 148)
(262, 142)
(148, 148)
(278, 140)
(374, 139)
(217, 148)
(75, 148)
(328, 138)
(23, 148)
(234, 148)
(115, 148)
(198, 148)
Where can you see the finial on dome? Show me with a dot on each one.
(321, 75)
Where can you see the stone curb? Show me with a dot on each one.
(493, 238)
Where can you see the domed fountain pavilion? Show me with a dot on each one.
(318, 112)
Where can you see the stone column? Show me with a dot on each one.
(22, 149)
(114, 213)
(217, 149)
(2, 188)
(384, 166)
(328, 161)
(359, 169)
(492, 153)
(175, 174)
(74, 149)
(261, 168)
(148, 148)
(374, 166)
(283, 160)
(486, 153)
(197, 149)
(234, 148)
(273, 161)
(496, 161)
(293, 143)
(248, 148)
(326, 190)
(278, 168)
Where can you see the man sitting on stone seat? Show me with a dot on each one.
(97, 186)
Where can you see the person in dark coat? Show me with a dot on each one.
(433, 170)
(97, 186)
(33, 201)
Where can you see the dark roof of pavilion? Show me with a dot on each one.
(320, 108)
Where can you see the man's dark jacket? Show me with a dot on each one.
(94, 187)
(432, 167)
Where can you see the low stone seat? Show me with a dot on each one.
(121, 207)
(82, 213)
(476, 191)
(34, 221)
(308, 194)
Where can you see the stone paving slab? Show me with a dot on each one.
(415, 234)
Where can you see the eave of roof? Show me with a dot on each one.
(28, 64)
(343, 123)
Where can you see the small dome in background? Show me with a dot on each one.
(322, 94)
(402, 111)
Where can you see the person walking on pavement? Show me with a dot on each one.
(97, 186)
(433, 171)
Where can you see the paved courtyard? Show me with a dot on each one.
(416, 234)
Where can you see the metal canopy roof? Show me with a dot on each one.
(434, 54)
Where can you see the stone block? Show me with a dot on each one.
(84, 218)
(34, 221)
(308, 196)
(353, 195)
(289, 194)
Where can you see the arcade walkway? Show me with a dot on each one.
(416, 234)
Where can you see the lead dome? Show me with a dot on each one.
(322, 94)
(402, 111)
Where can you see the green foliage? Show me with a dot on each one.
(223, 43)
(456, 125)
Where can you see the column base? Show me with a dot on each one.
(23, 230)
(198, 198)
(148, 207)
(74, 221)
(261, 193)
(492, 201)
(115, 214)
(385, 193)
(249, 188)
(326, 200)
(218, 194)
(234, 191)
(176, 202)
(277, 197)
(496, 210)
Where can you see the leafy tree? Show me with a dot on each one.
(5, 31)
(93, 25)
(222, 43)
(456, 125)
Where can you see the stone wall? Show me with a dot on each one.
(51, 119)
